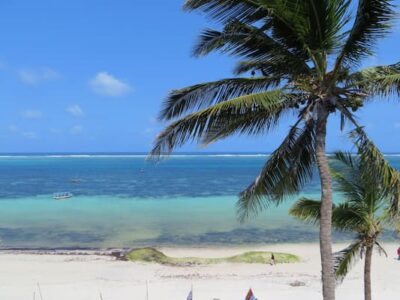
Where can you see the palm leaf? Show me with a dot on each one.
(348, 184)
(348, 216)
(346, 258)
(285, 173)
(381, 249)
(287, 20)
(250, 42)
(344, 217)
(375, 164)
(347, 177)
(285, 70)
(377, 81)
(201, 124)
(199, 96)
(345, 158)
(326, 20)
(307, 210)
(226, 10)
(256, 122)
(372, 21)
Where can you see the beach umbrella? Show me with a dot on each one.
(250, 295)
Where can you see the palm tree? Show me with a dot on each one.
(302, 56)
(370, 188)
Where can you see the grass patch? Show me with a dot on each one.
(152, 255)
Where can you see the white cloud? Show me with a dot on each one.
(75, 110)
(108, 85)
(37, 76)
(26, 134)
(31, 114)
(77, 129)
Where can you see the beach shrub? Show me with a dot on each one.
(152, 255)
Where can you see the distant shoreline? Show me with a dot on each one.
(144, 155)
(112, 251)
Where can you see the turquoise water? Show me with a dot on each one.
(124, 201)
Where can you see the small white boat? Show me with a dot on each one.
(62, 196)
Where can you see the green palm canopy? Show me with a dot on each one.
(303, 55)
(370, 189)
(296, 58)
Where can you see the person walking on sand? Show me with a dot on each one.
(273, 259)
(398, 253)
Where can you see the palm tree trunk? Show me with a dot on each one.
(328, 275)
(367, 273)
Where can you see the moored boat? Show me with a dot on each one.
(62, 196)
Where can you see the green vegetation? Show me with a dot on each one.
(371, 189)
(152, 255)
(296, 58)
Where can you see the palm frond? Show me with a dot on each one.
(381, 249)
(285, 173)
(348, 216)
(200, 96)
(344, 110)
(226, 10)
(376, 166)
(290, 22)
(326, 20)
(393, 211)
(346, 258)
(306, 210)
(285, 70)
(256, 122)
(377, 81)
(250, 42)
(372, 21)
(196, 126)
(246, 66)
(316, 24)
(345, 158)
(347, 183)
(345, 171)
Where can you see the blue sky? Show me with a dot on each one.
(90, 75)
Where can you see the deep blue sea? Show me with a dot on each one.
(125, 201)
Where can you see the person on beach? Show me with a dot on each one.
(398, 253)
(273, 259)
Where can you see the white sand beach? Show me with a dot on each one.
(84, 277)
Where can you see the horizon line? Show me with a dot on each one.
(144, 153)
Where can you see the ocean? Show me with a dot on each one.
(123, 201)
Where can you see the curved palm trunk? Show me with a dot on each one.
(328, 275)
(367, 273)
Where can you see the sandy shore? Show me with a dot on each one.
(67, 277)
